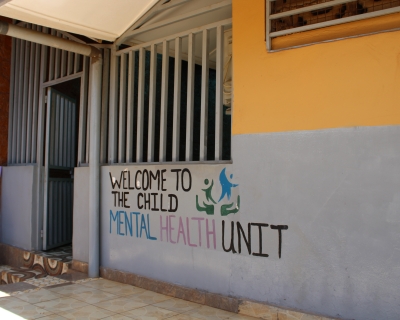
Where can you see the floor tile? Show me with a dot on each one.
(85, 280)
(53, 317)
(209, 313)
(149, 297)
(73, 276)
(59, 285)
(93, 296)
(120, 304)
(100, 284)
(5, 314)
(70, 289)
(28, 311)
(235, 316)
(13, 287)
(182, 317)
(10, 302)
(118, 317)
(149, 313)
(46, 281)
(38, 296)
(88, 312)
(177, 305)
(61, 304)
(123, 290)
(17, 293)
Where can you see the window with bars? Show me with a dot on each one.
(286, 17)
(167, 99)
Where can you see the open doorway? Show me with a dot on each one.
(60, 159)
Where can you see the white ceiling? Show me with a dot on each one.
(101, 19)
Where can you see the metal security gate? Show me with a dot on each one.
(59, 165)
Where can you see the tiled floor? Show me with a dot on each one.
(83, 298)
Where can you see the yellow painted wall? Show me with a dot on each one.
(346, 83)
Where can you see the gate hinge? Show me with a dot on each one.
(41, 233)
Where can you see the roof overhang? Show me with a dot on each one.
(100, 19)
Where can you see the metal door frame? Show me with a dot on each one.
(46, 167)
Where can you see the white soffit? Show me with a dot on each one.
(101, 19)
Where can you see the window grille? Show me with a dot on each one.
(166, 99)
(291, 16)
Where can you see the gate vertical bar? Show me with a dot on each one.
(57, 65)
(52, 58)
(20, 100)
(89, 105)
(25, 103)
(219, 93)
(140, 112)
(122, 110)
(16, 100)
(130, 107)
(77, 60)
(36, 94)
(68, 131)
(190, 99)
(64, 134)
(177, 100)
(152, 103)
(73, 153)
(82, 115)
(11, 118)
(104, 106)
(52, 154)
(70, 69)
(30, 102)
(164, 101)
(57, 132)
(204, 96)
(113, 115)
(63, 62)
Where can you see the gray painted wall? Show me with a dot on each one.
(338, 191)
(18, 206)
(80, 236)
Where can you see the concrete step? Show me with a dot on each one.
(37, 265)
(19, 274)
(46, 264)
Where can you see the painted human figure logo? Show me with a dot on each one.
(226, 192)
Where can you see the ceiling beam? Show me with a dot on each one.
(159, 7)
(130, 34)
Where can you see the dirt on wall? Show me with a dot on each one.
(5, 63)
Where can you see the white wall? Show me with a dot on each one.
(18, 206)
(80, 236)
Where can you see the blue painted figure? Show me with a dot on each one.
(226, 185)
